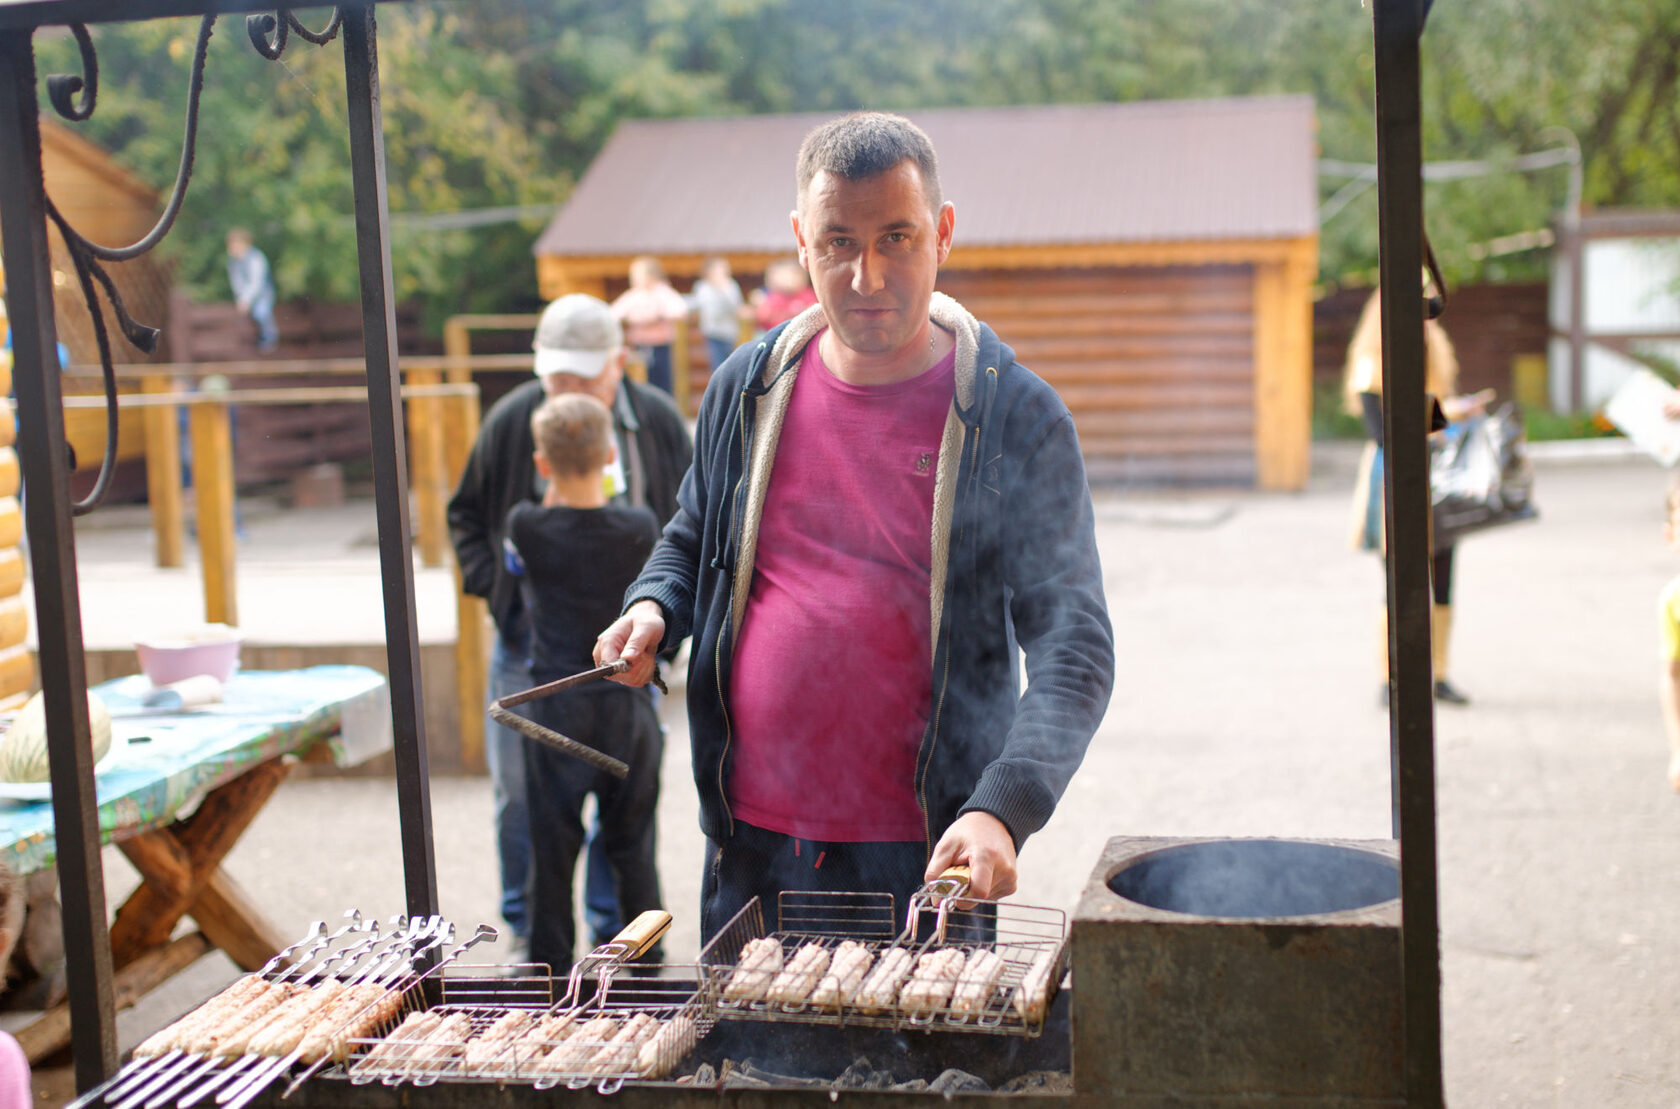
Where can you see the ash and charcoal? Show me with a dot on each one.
(863, 1075)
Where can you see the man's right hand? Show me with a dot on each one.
(633, 637)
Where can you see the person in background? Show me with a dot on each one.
(253, 287)
(579, 348)
(650, 311)
(575, 554)
(716, 298)
(786, 293)
(1362, 387)
(886, 510)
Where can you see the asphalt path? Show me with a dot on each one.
(1246, 705)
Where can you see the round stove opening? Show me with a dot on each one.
(1259, 878)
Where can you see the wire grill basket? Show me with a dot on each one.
(624, 1026)
(836, 958)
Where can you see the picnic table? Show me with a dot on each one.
(176, 791)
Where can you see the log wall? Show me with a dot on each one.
(1155, 363)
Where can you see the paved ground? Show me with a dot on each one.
(1246, 705)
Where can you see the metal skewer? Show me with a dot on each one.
(141, 1067)
(233, 1065)
(170, 1067)
(255, 1081)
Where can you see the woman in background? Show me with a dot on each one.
(1362, 385)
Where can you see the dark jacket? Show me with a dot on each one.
(653, 445)
(1014, 562)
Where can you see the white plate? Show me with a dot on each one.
(42, 791)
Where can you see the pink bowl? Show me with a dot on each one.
(174, 660)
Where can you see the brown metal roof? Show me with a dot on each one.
(1158, 171)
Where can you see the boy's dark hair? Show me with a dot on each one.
(574, 433)
(865, 144)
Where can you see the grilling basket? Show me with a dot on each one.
(952, 964)
(613, 1023)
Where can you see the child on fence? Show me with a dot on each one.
(576, 554)
(1669, 604)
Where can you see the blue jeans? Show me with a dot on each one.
(262, 314)
(504, 754)
(759, 863)
(658, 360)
(720, 349)
(621, 723)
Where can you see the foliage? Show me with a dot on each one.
(504, 102)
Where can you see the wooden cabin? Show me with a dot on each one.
(1154, 261)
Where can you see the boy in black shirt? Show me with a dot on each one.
(579, 553)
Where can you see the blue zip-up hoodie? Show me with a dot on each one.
(1014, 564)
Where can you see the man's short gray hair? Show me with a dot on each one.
(865, 144)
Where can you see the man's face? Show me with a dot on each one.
(603, 387)
(873, 249)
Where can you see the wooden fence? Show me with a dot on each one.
(1492, 327)
(443, 420)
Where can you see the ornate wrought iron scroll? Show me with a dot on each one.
(74, 96)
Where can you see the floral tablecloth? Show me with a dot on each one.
(160, 763)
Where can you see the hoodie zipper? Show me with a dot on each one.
(945, 669)
(729, 619)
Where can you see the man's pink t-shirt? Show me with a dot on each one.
(832, 671)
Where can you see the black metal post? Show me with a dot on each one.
(52, 550)
(390, 468)
(1398, 27)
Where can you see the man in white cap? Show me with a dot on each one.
(579, 348)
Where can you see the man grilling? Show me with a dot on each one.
(883, 505)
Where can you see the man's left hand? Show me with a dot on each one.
(979, 841)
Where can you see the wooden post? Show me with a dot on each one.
(471, 644)
(425, 449)
(1283, 371)
(163, 474)
(213, 495)
(680, 369)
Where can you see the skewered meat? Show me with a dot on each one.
(979, 978)
(292, 1021)
(233, 997)
(760, 962)
(935, 977)
(673, 1040)
(402, 1040)
(579, 1047)
(441, 1045)
(1034, 992)
(794, 985)
(496, 1040)
(356, 1012)
(880, 989)
(846, 970)
(529, 1048)
(618, 1056)
(205, 1037)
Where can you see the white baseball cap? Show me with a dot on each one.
(577, 335)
